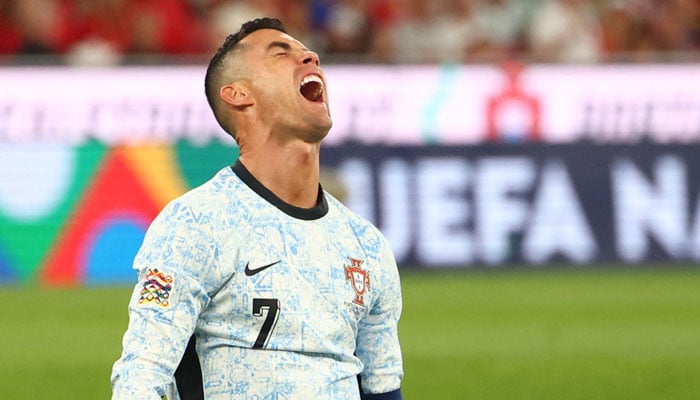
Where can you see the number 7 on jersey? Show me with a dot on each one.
(272, 306)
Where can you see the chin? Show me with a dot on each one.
(320, 129)
(317, 134)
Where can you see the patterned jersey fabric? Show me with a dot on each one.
(285, 302)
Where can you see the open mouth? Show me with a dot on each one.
(312, 88)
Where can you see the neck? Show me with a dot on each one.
(292, 173)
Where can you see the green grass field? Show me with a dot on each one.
(544, 334)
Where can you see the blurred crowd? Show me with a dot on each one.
(387, 31)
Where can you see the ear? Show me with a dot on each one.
(236, 95)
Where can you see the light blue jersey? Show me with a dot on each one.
(285, 303)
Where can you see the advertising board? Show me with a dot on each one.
(460, 166)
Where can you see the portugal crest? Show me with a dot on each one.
(358, 278)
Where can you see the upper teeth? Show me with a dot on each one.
(311, 78)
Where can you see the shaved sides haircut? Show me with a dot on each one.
(220, 65)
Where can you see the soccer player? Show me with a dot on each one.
(288, 293)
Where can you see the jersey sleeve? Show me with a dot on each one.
(378, 342)
(176, 253)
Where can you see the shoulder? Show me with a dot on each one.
(203, 204)
(359, 224)
(370, 237)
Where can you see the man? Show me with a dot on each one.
(289, 294)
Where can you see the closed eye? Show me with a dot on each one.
(279, 48)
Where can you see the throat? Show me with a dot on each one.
(293, 182)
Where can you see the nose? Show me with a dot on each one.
(311, 57)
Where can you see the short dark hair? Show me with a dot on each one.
(217, 66)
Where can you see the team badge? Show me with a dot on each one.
(359, 279)
(156, 289)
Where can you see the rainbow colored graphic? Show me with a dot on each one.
(72, 215)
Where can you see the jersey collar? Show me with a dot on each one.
(316, 212)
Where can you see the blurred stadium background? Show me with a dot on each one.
(534, 163)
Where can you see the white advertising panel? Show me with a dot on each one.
(391, 105)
